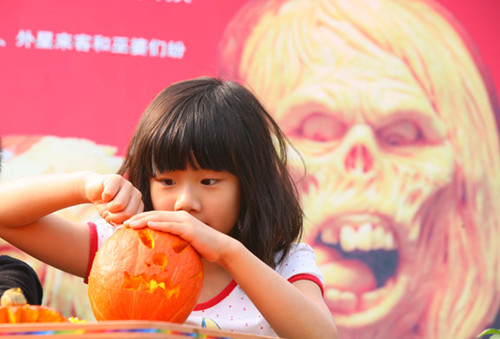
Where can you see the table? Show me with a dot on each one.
(115, 330)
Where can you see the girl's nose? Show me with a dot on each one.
(187, 200)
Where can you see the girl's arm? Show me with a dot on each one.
(294, 310)
(27, 222)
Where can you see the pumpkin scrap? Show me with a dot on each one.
(145, 275)
(15, 309)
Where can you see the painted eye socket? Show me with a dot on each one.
(319, 127)
(402, 133)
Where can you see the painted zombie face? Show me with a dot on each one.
(379, 166)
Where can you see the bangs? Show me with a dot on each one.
(195, 136)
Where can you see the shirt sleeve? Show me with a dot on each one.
(301, 264)
(99, 232)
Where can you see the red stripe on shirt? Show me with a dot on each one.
(217, 299)
(305, 276)
(230, 287)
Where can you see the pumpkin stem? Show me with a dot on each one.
(13, 297)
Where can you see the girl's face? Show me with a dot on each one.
(211, 197)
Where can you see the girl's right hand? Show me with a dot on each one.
(114, 197)
(210, 243)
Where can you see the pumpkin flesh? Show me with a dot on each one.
(29, 314)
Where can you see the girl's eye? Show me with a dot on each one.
(208, 182)
(167, 182)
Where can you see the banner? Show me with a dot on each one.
(393, 106)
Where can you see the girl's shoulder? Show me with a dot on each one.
(299, 250)
(301, 260)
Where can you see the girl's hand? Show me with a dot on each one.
(210, 243)
(114, 197)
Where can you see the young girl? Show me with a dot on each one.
(209, 164)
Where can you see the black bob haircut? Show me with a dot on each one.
(220, 125)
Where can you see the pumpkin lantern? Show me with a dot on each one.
(15, 309)
(145, 275)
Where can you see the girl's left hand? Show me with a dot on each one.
(114, 197)
(210, 243)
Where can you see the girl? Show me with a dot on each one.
(209, 164)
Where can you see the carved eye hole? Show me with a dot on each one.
(402, 133)
(319, 127)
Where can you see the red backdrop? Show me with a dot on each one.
(89, 68)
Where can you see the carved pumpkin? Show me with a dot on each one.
(14, 309)
(145, 275)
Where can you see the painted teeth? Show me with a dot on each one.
(364, 237)
(348, 302)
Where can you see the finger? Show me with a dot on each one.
(138, 223)
(140, 216)
(113, 184)
(117, 218)
(166, 226)
(101, 209)
(134, 206)
(142, 219)
(123, 216)
(126, 197)
(155, 216)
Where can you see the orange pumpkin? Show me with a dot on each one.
(14, 309)
(145, 275)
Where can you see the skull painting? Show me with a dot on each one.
(394, 119)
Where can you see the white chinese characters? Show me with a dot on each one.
(81, 42)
